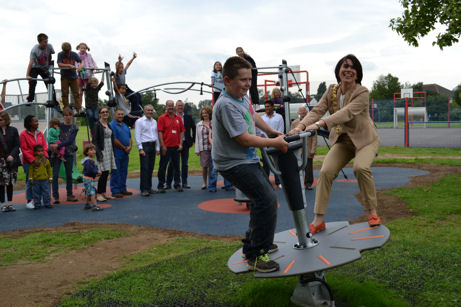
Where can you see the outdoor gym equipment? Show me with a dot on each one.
(300, 253)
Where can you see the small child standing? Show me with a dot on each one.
(54, 132)
(40, 177)
(67, 60)
(88, 64)
(217, 81)
(90, 171)
(92, 100)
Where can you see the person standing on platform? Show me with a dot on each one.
(188, 141)
(146, 136)
(122, 148)
(353, 135)
(170, 134)
(311, 148)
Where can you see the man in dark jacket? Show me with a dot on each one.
(188, 141)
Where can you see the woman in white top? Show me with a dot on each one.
(203, 142)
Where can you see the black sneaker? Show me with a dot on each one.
(263, 264)
(127, 193)
(49, 206)
(87, 206)
(117, 195)
(273, 248)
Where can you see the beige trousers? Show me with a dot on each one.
(73, 84)
(339, 155)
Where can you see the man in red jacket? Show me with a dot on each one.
(170, 134)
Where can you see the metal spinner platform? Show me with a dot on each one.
(339, 243)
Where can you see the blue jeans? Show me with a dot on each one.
(41, 188)
(171, 156)
(253, 182)
(92, 116)
(118, 176)
(184, 157)
(56, 165)
(29, 194)
(147, 166)
(213, 175)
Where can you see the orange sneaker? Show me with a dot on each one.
(374, 220)
(318, 228)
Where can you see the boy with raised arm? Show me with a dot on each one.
(234, 155)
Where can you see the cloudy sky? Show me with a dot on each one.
(180, 40)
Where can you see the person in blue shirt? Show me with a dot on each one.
(123, 145)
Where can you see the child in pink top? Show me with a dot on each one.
(88, 61)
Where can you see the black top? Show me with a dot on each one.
(189, 125)
(98, 139)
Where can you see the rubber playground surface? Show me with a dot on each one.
(197, 210)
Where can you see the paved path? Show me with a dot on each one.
(180, 211)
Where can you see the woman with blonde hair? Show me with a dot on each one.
(203, 142)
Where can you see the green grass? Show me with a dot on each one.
(43, 246)
(419, 266)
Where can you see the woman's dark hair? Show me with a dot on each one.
(28, 121)
(356, 65)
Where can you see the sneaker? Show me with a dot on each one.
(273, 248)
(30, 205)
(96, 208)
(4, 209)
(263, 264)
(374, 220)
(117, 195)
(186, 186)
(178, 189)
(127, 193)
(11, 208)
(152, 191)
(71, 198)
(145, 193)
(49, 206)
(87, 206)
(56, 201)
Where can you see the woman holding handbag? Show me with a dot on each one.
(9, 160)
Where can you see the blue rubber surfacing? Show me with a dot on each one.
(180, 211)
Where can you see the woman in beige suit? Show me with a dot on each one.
(353, 135)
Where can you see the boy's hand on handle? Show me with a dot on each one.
(280, 143)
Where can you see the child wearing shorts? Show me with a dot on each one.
(90, 172)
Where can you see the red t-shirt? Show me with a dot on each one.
(171, 127)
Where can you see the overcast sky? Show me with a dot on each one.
(180, 40)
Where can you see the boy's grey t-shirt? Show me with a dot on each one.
(41, 57)
(231, 118)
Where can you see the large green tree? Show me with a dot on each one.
(422, 16)
(385, 87)
(321, 90)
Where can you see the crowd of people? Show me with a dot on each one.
(226, 139)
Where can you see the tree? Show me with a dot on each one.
(421, 16)
(321, 90)
(204, 103)
(457, 96)
(385, 87)
(150, 98)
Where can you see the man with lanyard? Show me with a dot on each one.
(170, 134)
(188, 141)
(123, 144)
(275, 121)
(146, 136)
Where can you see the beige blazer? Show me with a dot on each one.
(353, 118)
(311, 141)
